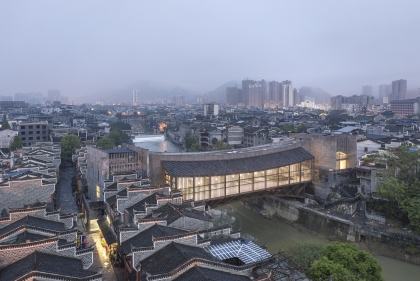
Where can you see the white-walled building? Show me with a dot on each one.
(235, 135)
(6, 136)
(211, 109)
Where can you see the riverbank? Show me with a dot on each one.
(278, 233)
(376, 240)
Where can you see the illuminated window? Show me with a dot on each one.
(341, 161)
(98, 192)
(259, 180)
(306, 170)
(186, 185)
(246, 182)
(284, 175)
(272, 177)
(217, 186)
(232, 184)
(202, 188)
(295, 173)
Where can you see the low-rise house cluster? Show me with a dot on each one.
(33, 233)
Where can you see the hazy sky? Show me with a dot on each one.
(80, 47)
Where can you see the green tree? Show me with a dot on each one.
(69, 144)
(116, 136)
(287, 127)
(195, 147)
(16, 143)
(120, 125)
(324, 269)
(345, 261)
(219, 145)
(190, 139)
(105, 143)
(304, 254)
(4, 126)
(401, 187)
(301, 128)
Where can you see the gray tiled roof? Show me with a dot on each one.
(144, 238)
(25, 237)
(209, 274)
(36, 222)
(171, 212)
(171, 257)
(236, 166)
(45, 263)
(111, 200)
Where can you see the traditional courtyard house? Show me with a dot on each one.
(48, 267)
(44, 154)
(24, 231)
(166, 253)
(26, 187)
(185, 216)
(153, 244)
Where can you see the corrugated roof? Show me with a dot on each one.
(236, 166)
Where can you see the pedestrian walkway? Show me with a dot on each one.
(100, 258)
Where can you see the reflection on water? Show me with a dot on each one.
(280, 235)
(155, 143)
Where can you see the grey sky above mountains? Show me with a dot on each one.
(81, 47)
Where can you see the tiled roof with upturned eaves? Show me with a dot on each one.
(236, 166)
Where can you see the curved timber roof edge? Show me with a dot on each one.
(236, 166)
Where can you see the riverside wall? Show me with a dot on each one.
(374, 239)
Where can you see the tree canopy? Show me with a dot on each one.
(304, 254)
(105, 143)
(190, 139)
(16, 143)
(336, 261)
(120, 125)
(195, 147)
(69, 144)
(219, 145)
(344, 261)
(401, 187)
(5, 125)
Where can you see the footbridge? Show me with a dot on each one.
(221, 177)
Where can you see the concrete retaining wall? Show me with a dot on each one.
(333, 227)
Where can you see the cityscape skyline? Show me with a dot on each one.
(115, 48)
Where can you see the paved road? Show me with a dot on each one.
(66, 202)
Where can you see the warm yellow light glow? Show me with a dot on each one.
(162, 127)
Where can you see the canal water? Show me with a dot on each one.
(280, 235)
(156, 143)
(275, 233)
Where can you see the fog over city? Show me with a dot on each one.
(94, 49)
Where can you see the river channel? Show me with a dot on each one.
(277, 234)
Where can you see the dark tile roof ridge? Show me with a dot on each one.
(179, 250)
(200, 272)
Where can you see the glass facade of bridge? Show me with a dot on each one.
(210, 187)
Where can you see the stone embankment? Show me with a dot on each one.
(375, 237)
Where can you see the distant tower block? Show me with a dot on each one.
(136, 97)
